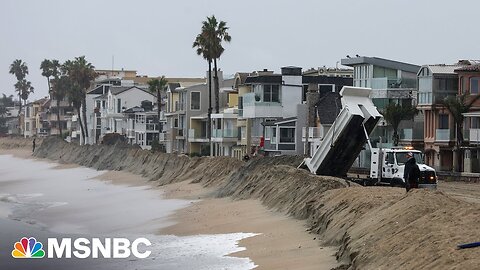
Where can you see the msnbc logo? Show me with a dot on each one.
(28, 248)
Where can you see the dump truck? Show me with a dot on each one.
(349, 134)
(388, 164)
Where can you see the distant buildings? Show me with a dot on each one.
(268, 113)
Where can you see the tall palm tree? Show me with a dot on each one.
(82, 73)
(395, 113)
(158, 87)
(23, 87)
(214, 33)
(50, 68)
(202, 45)
(457, 106)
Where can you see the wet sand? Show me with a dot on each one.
(282, 243)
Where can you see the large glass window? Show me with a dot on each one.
(195, 101)
(474, 85)
(443, 121)
(287, 135)
(271, 93)
(475, 123)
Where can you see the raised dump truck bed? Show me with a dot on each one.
(347, 135)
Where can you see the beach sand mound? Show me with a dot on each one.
(374, 227)
(385, 228)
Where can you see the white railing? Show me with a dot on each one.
(474, 135)
(443, 135)
(313, 133)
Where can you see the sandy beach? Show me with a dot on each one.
(282, 242)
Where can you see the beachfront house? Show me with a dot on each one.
(106, 107)
(469, 84)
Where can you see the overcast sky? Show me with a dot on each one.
(155, 37)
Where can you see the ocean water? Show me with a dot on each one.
(39, 201)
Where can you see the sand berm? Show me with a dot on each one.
(374, 227)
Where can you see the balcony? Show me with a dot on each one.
(180, 133)
(179, 106)
(314, 134)
(225, 135)
(196, 136)
(253, 107)
(151, 127)
(163, 137)
(473, 135)
(410, 134)
(385, 83)
(443, 135)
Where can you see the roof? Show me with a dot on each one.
(328, 107)
(376, 61)
(98, 90)
(103, 96)
(173, 86)
(443, 69)
(322, 79)
(240, 78)
(270, 78)
(472, 68)
(120, 89)
(134, 110)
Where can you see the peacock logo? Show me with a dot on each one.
(28, 248)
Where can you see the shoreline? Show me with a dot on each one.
(373, 228)
(282, 242)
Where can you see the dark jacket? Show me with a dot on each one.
(411, 173)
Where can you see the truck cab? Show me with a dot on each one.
(392, 166)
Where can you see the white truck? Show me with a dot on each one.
(388, 165)
(348, 135)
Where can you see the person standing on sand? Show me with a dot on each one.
(33, 150)
(411, 172)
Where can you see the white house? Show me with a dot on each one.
(105, 107)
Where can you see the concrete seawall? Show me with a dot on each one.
(375, 228)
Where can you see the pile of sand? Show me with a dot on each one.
(375, 227)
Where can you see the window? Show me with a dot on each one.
(389, 158)
(195, 101)
(274, 135)
(119, 105)
(475, 123)
(175, 123)
(103, 104)
(474, 85)
(27, 126)
(97, 104)
(443, 121)
(287, 135)
(304, 92)
(271, 93)
(324, 88)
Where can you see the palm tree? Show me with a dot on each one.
(20, 70)
(395, 113)
(24, 89)
(158, 86)
(214, 33)
(60, 86)
(50, 68)
(457, 106)
(202, 46)
(82, 73)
